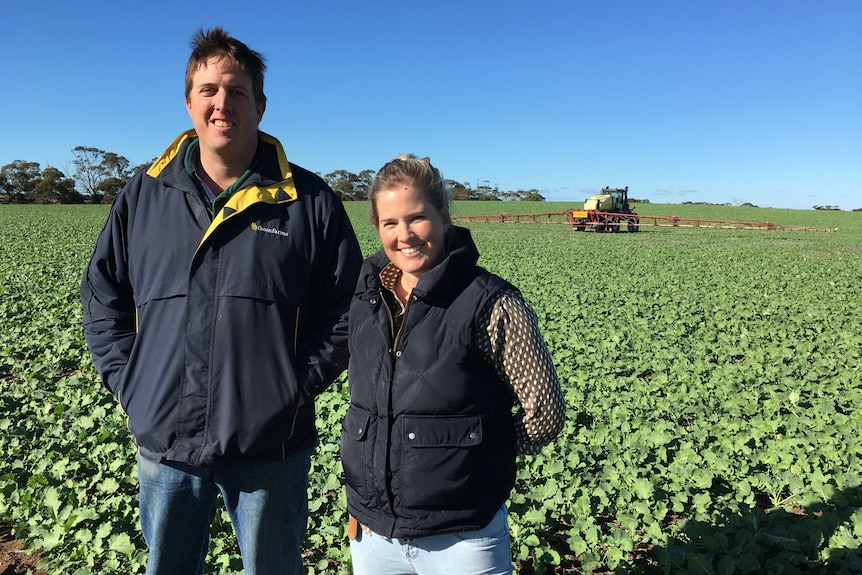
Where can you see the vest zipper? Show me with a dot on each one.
(395, 334)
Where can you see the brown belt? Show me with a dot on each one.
(352, 528)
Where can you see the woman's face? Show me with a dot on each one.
(411, 230)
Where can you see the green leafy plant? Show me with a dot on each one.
(712, 379)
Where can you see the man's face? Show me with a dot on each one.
(223, 110)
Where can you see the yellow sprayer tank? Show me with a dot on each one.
(600, 203)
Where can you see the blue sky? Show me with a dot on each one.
(722, 101)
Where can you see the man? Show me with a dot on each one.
(215, 308)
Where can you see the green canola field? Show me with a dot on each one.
(712, 377)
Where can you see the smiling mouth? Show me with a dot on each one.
(222, 123)
(411, 250)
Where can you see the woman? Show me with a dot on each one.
(440, 351)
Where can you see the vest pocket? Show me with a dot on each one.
(442, 461)
(355, 450)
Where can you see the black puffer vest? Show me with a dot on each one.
(428, 443)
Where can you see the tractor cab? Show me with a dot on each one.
(619, 198)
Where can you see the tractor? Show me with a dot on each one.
(606, 212)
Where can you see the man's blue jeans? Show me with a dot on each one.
(267, 504)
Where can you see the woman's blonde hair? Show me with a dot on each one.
(411, 170)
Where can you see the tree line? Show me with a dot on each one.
(96, 176)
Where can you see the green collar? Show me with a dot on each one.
(220, 200)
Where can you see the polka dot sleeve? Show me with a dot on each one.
(513, 344)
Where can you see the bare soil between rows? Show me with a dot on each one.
(13, 560)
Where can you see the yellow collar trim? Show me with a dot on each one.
(278, 193)
(169, 154)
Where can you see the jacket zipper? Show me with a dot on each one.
(299, 391)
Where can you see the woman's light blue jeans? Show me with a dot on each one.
(486, 552)
(267, 503)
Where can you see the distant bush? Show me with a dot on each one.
(712, 204)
